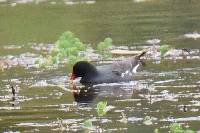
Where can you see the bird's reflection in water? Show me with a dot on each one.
(85, 94)
(122, 91)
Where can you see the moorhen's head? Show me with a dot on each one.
(83, 69)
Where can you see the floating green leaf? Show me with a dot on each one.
(177, 128)
(101, 108)
(37, 61)
(188, 131)
(147, 120)
(156, 130)
(103, 47)
(164, 49)
(88, 124)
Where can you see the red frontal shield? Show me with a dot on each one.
(73, 76)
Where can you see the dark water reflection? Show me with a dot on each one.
(113, 90)
(86, 95)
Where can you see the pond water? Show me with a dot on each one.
(167, 91)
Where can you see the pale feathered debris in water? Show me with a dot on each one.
(138, 1)
(153, 41)
(193, 35)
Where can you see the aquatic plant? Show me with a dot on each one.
(164, 49)
(103, 47)
(62, 126)
(156, 130)
(67, 46)
(4, 64)
(88, 124)
(124, 118)
(177, 128)
(101, 108)
(101, 111)
(147, 120)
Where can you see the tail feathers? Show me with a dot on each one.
(142, 54)
(139, 56)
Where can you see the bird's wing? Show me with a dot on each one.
(121, 67)
(109, 70)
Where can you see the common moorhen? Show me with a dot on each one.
(119, 71)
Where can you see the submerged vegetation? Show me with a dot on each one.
(101, 111)
(177, 128)
(164, 49)
(88, 124)
(101, 108)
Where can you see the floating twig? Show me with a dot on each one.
(186, 50)
(13, 95)
(184, 108)
(13, 91)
